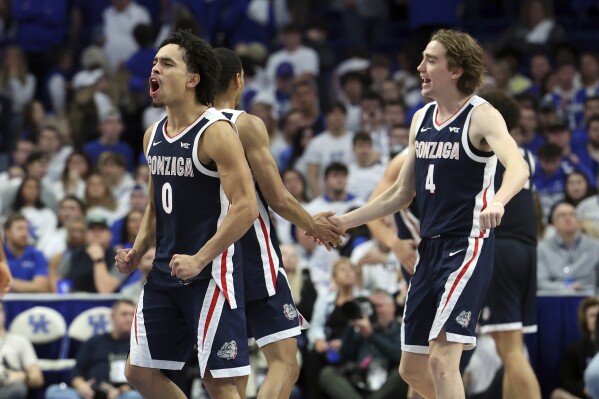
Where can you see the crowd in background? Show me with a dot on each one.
(336, 85)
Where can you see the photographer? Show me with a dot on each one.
(100, 369)
(370, 353)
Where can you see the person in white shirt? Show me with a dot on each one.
(119, 21)
(113, 168)
(332, 145)
(51, 141)
(304, 59)
(367, 169)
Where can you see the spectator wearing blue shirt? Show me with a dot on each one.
(588, 152)
(110, 127)
(28, 266)
(591, 108)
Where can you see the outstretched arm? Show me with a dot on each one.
(254, 137)
(221, 145)
(396, 197)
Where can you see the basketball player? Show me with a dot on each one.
(5, 275)
(201, 202)
(270, 310)
(510, 307)
(455, 142)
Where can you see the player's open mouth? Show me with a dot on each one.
(154, 86)
(425, 82)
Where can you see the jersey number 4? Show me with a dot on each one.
(167, 198)
(429, 185)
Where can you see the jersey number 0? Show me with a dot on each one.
(167, 198)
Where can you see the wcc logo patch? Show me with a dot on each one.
(463, 318)
(289, 311)
(228, 351)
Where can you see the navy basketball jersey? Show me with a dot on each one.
(519, 220)
(259, 246)
(454, 180)
(190, 204)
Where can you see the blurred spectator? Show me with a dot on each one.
(558, 133)
(100, 368)
(15, 80)
(120, 19)
(91, 268)
(51, 141)
(303, 59)
(130, 228)
(69, 208)
(588, 209)
(99, 200)
(366, 170)
(537, 28)
(21, 151)
(292, 157)
(366, 22)
(568, 262)
(529, 135)
(20, 368)
(335, 196)
(264, 111)
(333, 145)
(352, 88)
(60, 263)
(41, 219)
(550, 175)
(112, 167)
(373, 122)
(28, 266)
(588, 153)
(379, 72)
(563, 94)
(33, 118)
(89, 105)
(328, 324)
(399, 136)
(369, 355)
(570, 379)
(139, 65)
(305, 100)
(577, 188)
(283, 89)
(111, 128)
(74, 174)
(57, 83)
(380, 269)
(580, 136)
(316, 260)
(589, 82)
(540, 67)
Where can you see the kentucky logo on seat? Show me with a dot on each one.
(39, 325)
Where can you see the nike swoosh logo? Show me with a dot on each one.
(456, 252)
(156, 143)
(425, 129)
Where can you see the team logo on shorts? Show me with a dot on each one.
(289, 311)
(464, 318)
(228, 351)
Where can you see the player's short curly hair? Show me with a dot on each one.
(462, 51)
(201, 59)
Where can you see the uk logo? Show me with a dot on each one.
(40, 325)
(98, 324)
(289, 311)
(228, 351)
(463, 318)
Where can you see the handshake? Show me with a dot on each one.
(327, 229)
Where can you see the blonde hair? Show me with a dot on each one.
(462, 51)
